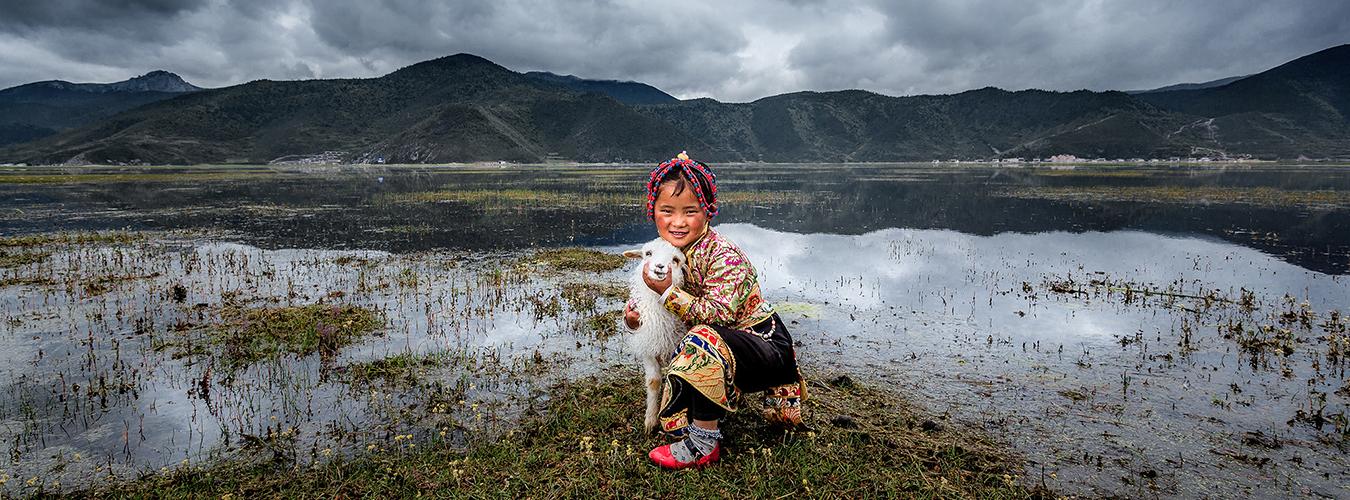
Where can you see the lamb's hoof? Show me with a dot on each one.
(651, 425)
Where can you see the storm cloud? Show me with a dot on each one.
(731, 51)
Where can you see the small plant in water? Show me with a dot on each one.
(269, 332)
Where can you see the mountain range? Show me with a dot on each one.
(1191, 86)
(45, 108)
(466, 108)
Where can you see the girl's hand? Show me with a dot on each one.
(630, 316)
(658, 286)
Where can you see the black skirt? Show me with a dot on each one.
(764, 354)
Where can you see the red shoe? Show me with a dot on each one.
(661, 456)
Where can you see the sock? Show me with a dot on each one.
(699, 443)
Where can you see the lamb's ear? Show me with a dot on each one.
(633, 254)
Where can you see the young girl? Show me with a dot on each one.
(736, 342)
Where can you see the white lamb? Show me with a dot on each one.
(659, 331)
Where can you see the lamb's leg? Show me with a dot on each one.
(652, 375)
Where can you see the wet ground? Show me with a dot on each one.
(1131, 331)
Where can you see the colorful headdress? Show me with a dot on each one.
(704, 183)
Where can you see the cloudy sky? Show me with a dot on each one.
(728, 50)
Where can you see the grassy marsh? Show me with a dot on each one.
(266, 333)
(602, 325)
(465, 329)
(73, 238)
(538, 198)
(16, 259)
(862, 442)
(1191, 195)
(123, 177)
(580, 259)
(583, 296)
(402, 368)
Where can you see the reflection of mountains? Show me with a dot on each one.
(337, 212)
(1313, 239)
(348, 212)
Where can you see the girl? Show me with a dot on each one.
(737, 342)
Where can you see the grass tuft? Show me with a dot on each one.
(267, 333)
(602, 325)
(26, 281)
(36, 240)
(18, 259)
(122, 177)
(404, 368)
(580, 259)
(1186, 195)
(583, 296)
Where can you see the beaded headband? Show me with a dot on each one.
(695, 171)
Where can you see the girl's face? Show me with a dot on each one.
(679, 220)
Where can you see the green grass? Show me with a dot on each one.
(863, 443)
(25, 281)
(252, 335)
(125, 177)
(43, 239)
(103, 284)
(583, 296)
(517, 198)
(580, 259)
(1257, 196)
(404, 368)
(537, 198)
(8, 259)
(602, 325)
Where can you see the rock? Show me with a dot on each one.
(1258, 438)
(930, 426)
(843, 421)
(843, 382)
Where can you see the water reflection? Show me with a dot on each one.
(1091, 387)
(106, 383)
(352, 207)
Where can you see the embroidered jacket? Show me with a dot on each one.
(721, 287)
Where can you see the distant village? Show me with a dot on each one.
(1067, 158)
(341, 157)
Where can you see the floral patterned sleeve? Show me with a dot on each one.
(728, 283)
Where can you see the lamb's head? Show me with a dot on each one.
(660, 259)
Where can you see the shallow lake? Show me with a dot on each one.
(1128, 330)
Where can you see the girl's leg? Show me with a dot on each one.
(700, 445)
(703, 432)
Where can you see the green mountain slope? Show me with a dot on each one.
(1191, 86)
(456, 108)
(41, 109)
(863, 126)
(466, 108)
(1301, 107)
(624, 92)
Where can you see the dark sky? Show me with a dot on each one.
(731, 51)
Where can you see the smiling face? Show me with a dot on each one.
(662, 260)
(679, 219)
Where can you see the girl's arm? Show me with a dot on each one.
(727, 285)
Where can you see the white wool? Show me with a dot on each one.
(659, 331)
